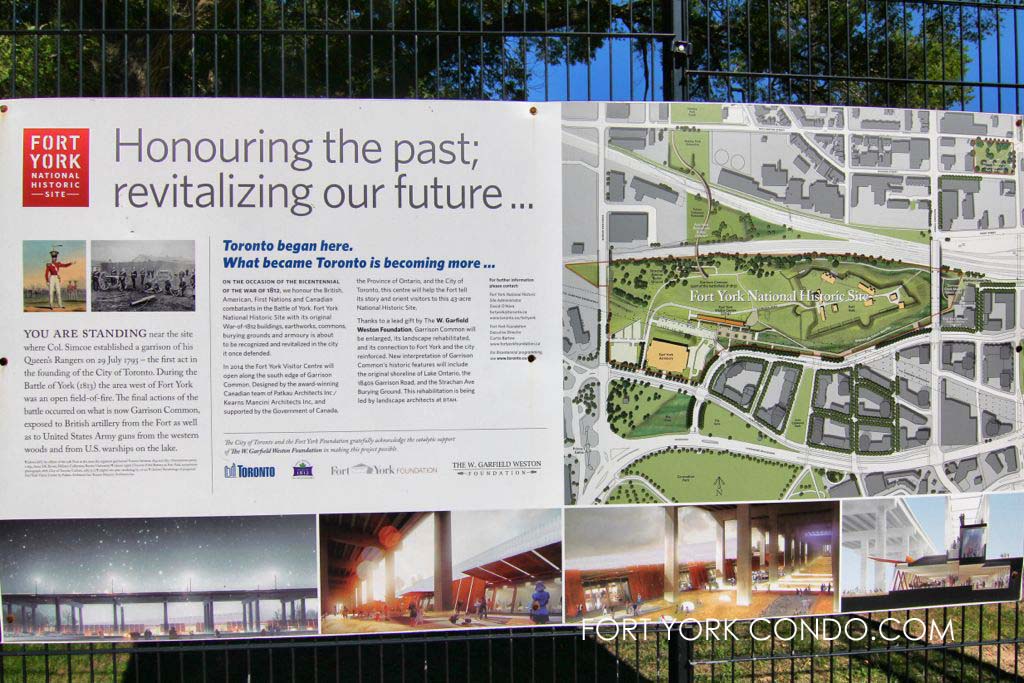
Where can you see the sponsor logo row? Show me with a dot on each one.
(304, 470)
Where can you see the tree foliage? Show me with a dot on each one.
(880, 53)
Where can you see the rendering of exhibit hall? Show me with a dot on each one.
(703, 561)
(431, 570)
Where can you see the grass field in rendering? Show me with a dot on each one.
(730, 225)
(720, 423)
(587, 271)
(686, 475)
(823, 304)
(636, 411)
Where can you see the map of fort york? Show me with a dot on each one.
(789, 302)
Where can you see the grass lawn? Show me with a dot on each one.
(636, 411)
(696, 112)
(994, 156)
(729, 225)
(811, 486)
(672, 417)
(910, 235)
(685, 475)
(631, 284)
(964, 665)
(694, 147)
(721, 423)
(104, 666)
(796, 430)
(804, 488)
(631, 492)
(587, 271)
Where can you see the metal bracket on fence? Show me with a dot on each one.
(682, 48)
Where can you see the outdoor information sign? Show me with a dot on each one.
(301, 367)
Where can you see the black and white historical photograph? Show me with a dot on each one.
(143, 275)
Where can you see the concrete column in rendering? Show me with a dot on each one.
(671, 554)
(743, 555)
(443, 561)
(720, 546)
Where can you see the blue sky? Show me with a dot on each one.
(931, 513)
(1005, 534)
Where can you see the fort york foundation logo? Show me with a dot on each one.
(55, 167)
(362, 469)
(235, 471)
(302, 470)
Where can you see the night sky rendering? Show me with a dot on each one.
(84, 556)
(172, 555)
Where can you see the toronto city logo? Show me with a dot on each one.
(235, 471)
(55, 167)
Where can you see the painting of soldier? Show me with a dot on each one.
(52, 276)
(143, 275)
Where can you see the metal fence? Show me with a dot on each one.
(940, 54)
(917, 53)
(982, 643)
(933, 53)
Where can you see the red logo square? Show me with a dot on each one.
(55, 167)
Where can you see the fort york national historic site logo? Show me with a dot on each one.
(55, 167)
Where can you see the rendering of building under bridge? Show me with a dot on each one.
(934, 550)
(62, 615)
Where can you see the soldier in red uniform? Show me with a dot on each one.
(53, 277)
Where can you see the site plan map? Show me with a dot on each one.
(765, 302)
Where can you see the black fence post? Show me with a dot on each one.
(676, 21)
(680, 656)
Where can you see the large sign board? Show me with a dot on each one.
(785, 365)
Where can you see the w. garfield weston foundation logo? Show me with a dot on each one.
(55, 167)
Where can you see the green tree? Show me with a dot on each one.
(412, 48)
(357, 48)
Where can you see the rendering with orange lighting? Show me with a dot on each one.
(440, 570)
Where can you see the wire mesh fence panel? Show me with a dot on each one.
(482, 49)
(975, 643)
(934, 54)
(937, 53)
